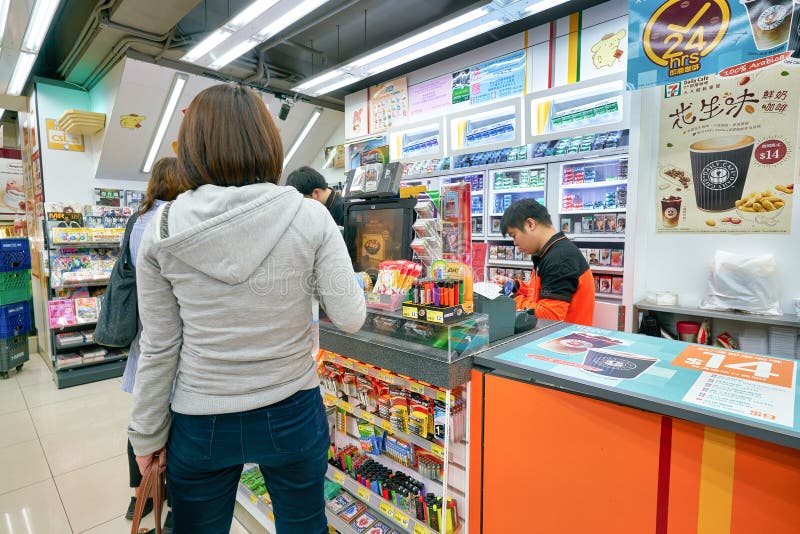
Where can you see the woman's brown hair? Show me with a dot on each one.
(228, 138)
(164, 184)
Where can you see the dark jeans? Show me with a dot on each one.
(134, 476)
(288, 440)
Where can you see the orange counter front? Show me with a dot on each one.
(546, 460)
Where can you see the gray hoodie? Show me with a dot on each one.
(225, 303)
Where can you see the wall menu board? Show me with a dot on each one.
(745, 387)
(728, 153)
(674, 40)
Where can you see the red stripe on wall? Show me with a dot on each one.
(664, 467)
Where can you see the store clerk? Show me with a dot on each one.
(312, 184)
(562, 287)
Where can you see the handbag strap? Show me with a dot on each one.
(125, 248)
(153, 486)
(164, 223)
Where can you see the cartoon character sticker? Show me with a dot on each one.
(131, 121)
(606, 52)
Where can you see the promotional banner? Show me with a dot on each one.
(356, 113)
(12, 186)
(430, 96)
(727, 153)
(58, 139)
(497, 78)
(747, 387)
(674, 40)
(388, 104)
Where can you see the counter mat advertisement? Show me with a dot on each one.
(674, 40)
(727, 156)
(746, 386)
(388, 104)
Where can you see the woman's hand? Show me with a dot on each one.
(501, 280)
(145, 461)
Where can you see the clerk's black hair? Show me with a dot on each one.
(306, 179)
(522, 210)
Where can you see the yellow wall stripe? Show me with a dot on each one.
(573, 71)
(716, 482)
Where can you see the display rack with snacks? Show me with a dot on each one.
(83, 247)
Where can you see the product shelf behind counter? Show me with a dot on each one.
(398, 396)
(664, 436)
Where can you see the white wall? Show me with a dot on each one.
(102, 98)
(332, 176)
(10, 134)
(680, 262)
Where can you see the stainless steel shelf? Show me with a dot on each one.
(773, 320)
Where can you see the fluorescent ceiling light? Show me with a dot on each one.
(233, 53)
(542, 5)
(337, 85)
(249, 13)
(420, 37)
(4, 5)
(22, 69)
(318, 80)
(289, 18)
(302, 136)
(438, 45)
(206, 45)
(178, 83)
(42, 16)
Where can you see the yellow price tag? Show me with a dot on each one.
(402, 518)
(368, 417)
(437, 450)
(348, 364)
(272, 517)
(387, 509)
(386, 377)
(409, 312)
(363, 369)
(330, 399)
(435, 316)
(416, 387)
(386, 425)
(364, 494)
(338, 477)
(346, 406)
(441, 395)
(419, 529)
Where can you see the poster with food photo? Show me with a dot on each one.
(727, 157)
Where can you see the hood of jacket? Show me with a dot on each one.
(228, 232)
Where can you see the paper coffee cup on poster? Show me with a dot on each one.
(616, 364)
(770, 21)
(719, 170)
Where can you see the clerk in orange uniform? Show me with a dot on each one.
(562, 287)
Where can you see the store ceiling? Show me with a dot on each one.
(90, 36)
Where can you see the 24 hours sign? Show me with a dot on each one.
(673, 40)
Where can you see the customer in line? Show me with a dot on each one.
(563, 287)
(313, 185)
(162, 187)
(225, 282)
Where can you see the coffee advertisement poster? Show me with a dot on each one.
(674, 40)
(727, 157)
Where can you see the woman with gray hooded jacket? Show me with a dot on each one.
(225, 277)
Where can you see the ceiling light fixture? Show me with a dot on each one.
(39, 23)
(249, 14)
(178, 84)
(303, 134)
(206, 45)
(337, 85)
(289, 18)
(438, 45)
(313, 82)
(4, 5)
(420, 37)
(233, 53)
(22, 70)
(542, 5)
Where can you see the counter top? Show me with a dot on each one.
(748, 394)
(418, 360)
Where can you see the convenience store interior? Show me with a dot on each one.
(518, 99)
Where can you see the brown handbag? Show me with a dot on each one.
(154, 485)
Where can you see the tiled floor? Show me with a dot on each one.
(63, 466)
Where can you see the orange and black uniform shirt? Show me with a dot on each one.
(335, 205)
(562, 287)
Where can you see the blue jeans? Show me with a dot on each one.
(288, 440)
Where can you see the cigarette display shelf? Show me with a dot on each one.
(374, 501)
(510, 263)
(607, 269)
(595, 185)
(597, 237)
(607, 296)
(596, 210)
(355, 411)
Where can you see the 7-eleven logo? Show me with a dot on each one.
(672, 89)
